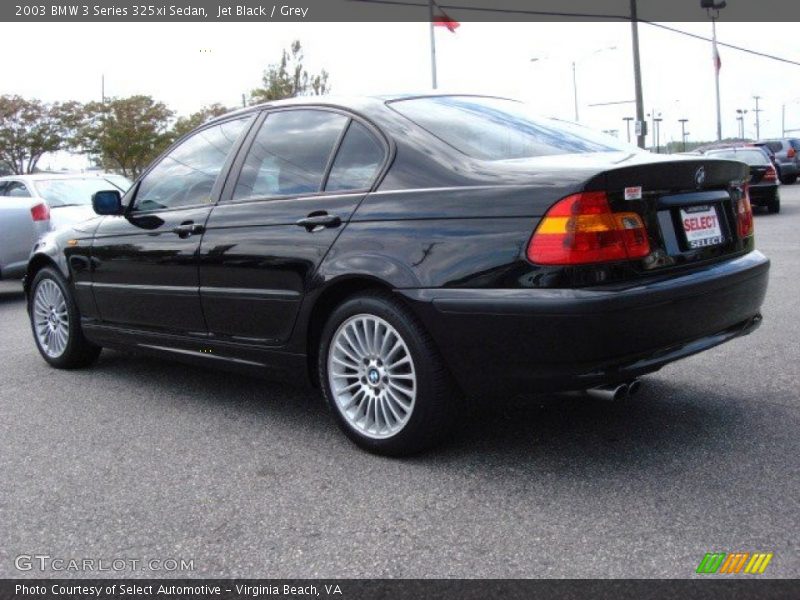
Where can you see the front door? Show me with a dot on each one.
(304, 174)
(145, 262)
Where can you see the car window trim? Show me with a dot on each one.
(226, 198)
(219, 182)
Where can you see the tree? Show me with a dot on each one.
(30, 128)
(125, 134)
(185, 124)
(289, 78)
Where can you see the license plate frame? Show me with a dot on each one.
(698, 231)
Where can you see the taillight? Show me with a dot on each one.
(581, 229)
(791, 152)
(770, 175)
(744, 214)
(40, 212)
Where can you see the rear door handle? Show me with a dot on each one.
(187, 229)
(319, 221)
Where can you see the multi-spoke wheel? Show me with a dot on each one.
(56, 323)
(383, 377)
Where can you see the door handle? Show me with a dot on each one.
(187, 229)
(319, 221)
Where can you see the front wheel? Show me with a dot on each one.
(383, 378)
(56, 323)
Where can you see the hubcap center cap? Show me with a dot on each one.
(373, 376)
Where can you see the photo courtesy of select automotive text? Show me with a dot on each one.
(399, 299)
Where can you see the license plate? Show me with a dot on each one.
(701, 225)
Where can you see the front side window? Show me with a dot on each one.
(186, 175)
(498, 129)
(357, 161)
(290, 154)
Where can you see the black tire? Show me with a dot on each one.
(433, 412)
(774, 205)
(789, 180)
(78, 352)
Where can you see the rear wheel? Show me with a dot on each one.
(56, 323)
(383, 377)
(774, 205)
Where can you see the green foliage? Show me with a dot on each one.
(125, 134)
(186, 124)
(30, 128)
(289, 78)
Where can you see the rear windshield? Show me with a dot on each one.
(754, 158)
(497, 129)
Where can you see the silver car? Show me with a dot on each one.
(69, 196)
(23, 220)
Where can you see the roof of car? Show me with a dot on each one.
(50, 176)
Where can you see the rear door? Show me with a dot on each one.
(145, 262)
(305, 172)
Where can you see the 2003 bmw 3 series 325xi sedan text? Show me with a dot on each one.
(402, 252)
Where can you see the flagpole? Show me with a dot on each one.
(716, 75)
(433, 45)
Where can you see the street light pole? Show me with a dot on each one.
(628, 126)
(433, 45)
(712, 9)
(575, 90)
(641, 124)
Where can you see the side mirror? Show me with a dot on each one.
(107, 202)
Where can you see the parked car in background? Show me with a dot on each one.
(400, 252)
(763, 176)
(787, 157)
(69, 196)
(23, 221)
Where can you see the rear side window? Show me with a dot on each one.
(17, 190)
(290, 154)
(357, 161)
(775, 146)
(497, 129)
(795, 144)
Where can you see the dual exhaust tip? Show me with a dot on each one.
(616, 392)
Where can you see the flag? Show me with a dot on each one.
(441, 19)
(717, 59)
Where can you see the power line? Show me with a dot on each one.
(575, 15)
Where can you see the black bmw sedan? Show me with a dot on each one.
(402, 253)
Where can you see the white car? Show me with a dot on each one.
(22, 222)
(69, 196)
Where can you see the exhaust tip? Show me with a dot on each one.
(634, 387)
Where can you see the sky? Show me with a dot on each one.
(189, 65)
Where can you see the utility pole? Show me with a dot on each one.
(657, 126)
(103, 88)
(758, 120)
(628, 126)
(641, 124)
(433, 45)
(683, 132)
(783, 120)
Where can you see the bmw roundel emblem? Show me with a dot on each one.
(700, 176)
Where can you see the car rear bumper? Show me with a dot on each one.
(761, 194)
(789, 169)
(517, 340)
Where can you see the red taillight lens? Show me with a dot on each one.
(40, 212)
(581, 229)
(770, 175)
(744, 214)
(791, 153)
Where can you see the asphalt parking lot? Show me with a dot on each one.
(140, 458)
